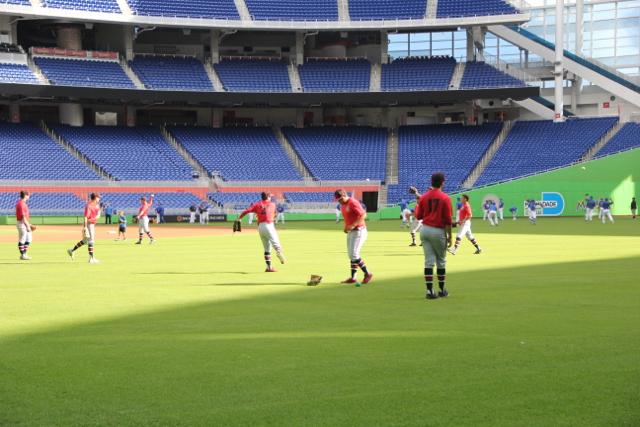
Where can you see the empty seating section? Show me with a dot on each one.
(20, 2)
(134, 154)
(325, 75)
(43, 203)
(453, 149)
(418, 74)
(540, 145)
(458, 8)
(29, 154)
(308, 197)
(109, 6)
(17, 73)
(129, 202)
(212, 9)
(360, 10)
(347, 153)
(238, 154)
(482, 75)
(254, 75)
(627, 138)
(165, 72)
(232, 200)
(84, 72)
(293, 10)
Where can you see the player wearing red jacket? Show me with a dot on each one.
(465, 227)
(91, 215)
(24, 225)
(434, 209)
(356, 229)
(143, 219)
(265, 211)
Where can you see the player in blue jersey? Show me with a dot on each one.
(501, 210)
(590, 205)
(493, 213)
(533, 214)
(514, 212)
(606, 211)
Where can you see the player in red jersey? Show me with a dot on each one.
(24, 225)
(464, 222)
(265, 211)
(356, 229)
(434, 209)
(143, 219)
(91, 215)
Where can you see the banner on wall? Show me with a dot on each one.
(551, 204)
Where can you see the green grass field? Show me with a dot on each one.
(542, 329)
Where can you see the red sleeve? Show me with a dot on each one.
(251, 208)
(357, 208)
(19, 212)
(418, 211)
(447, 211)
(86, 211)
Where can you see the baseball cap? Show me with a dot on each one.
(339, 194)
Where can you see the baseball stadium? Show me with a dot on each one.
(319, 213)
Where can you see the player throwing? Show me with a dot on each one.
(356, 230)
(434, 209)
(91, 216)
(465, 227)
(265, 211)
(23, 224)
(143, 220)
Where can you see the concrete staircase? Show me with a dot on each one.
(375, 81)
(343, 11)
(131, 74)
(213, 76)
(602, 142)
(243, 10)
(432, 9)
(391, 174)
(193, 162)
(42, 79)
(294, 78)
(124, 7)
(293, 156)
(456, 78)
(488, 155)
(77, 154)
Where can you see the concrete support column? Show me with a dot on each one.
(577, 83)
(478, 41)
(71, 114)
(299, 57)
(69, 37)
(8, 31)
(216, 118)
(384, 47)
(14, 113)
(204, 116)
(470, 50)
(127, 41)
(558, 71)
(214, 40)
(130, 116)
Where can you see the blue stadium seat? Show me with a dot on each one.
(418, 74)
(458, 8)
(43, 203)
(453, 149)
(108, 6)
(344, 153)
(17, 73)
(29, 154)
(254, 75)
(539, 145)
(627, 138)
(18, 2)
(337, 75)
(309, 197)
(293, 10)
(360, 10)
(132, 154)
(165, 72)
(84, 72)
(212, 9)
(129, 202)
(238, 154)
(234, 200)
(479, 75)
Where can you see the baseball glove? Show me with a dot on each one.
(237, 226)
(33, 227)
(314, 280)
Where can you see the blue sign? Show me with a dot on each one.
(552, 204)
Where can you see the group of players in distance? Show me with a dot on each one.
(433, 211)
(90, 218)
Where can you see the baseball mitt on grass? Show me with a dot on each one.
(314, 280)
(33, 227)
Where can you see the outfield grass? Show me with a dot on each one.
(541, 329)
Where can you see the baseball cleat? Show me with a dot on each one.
(281, 257)
(413, 244)
(25, 257)
(443, 293)
(151, 241)
(451, 251)
(94, 260)
(70, 253)
(270, 270)
(367, 278)
(431, 296)
(139, 242)
(478, 251)
(349, 281)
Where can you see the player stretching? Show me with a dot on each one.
(265, 211)
(434, 209)
(465, 227)
(356, 229)
(23, 225)
(143, 220)
(91, 215)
